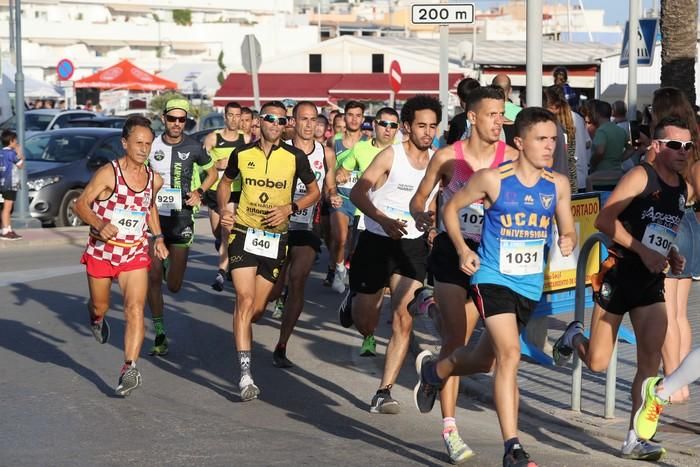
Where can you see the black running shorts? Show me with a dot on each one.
(443, 262)
(209, 199)
(267, 268)
(304, 238)
(178, 230)
(377, 258)
(492, 300)
(625, 284)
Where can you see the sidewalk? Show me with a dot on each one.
(47, 237)
(545, 391)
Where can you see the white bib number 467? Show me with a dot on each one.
(129, 222)
(261, 243)
(522, 257)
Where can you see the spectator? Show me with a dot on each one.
(561, 78)
(502, 80)
(11, 160)
(459, 126)
(583, 147)
(609, 140)
(619, 117)
(565, 151)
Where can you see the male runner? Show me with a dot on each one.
(118, 205)
(321, 128)
(246, 126)
(452, 167)
(342, 217)
(392, 251)
(269, 170)
(174, 156)
(521, 198)
(303, 242)
(642, 217)
(219, 144)
(351, 166)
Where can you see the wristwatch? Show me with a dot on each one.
(200, 191)
(295, 208)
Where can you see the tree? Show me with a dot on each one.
(679, 32)
(221, 77)
(182, 17)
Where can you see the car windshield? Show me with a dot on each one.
(32, 122)
(58, 148)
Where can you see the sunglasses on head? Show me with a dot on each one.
(385, 124)
(173, 119)
(676, 145)
(270, 118)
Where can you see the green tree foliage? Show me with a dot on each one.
(182, 17)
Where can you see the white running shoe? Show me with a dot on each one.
(339, 280)
(249, 390)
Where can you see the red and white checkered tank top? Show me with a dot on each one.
(128, 210)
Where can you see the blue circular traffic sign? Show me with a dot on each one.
(65, 69)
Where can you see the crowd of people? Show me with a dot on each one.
(459, 226)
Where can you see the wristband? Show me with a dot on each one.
(156, 237)
(200, 191)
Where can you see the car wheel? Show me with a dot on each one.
(67, 217)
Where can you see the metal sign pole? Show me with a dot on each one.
(533, 68)
(444, 70)
(633, 44)
(254, 73)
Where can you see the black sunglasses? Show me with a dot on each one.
(270, 118)
(173, 119)
(676, 145)
(385, 123)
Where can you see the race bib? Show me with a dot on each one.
(168, 199)
(129, 222)
(522, 257)
(658, 238)
(353, 177)
(261, 243)
(471, 219)
(397, 213)
(361, 222)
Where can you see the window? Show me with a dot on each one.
(314, 63)
(377, 63)
(110, 148)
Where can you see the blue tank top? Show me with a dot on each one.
(516, 234)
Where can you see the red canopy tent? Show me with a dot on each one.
(125, 75)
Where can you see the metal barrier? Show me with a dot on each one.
(579, 315)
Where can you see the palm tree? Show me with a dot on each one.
(679, 32)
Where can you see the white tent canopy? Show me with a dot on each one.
(33, 88)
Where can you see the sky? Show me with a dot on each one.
(616, 11)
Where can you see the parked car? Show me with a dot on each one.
(98, 122)
(201, 134)
(211, 121)
(59, 165)
(46, 119)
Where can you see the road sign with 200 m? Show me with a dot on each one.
(442, 13)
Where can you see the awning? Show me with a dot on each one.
(376, 86)
(125, 75)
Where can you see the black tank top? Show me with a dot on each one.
(654, 215)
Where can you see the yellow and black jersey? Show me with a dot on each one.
(267, 181)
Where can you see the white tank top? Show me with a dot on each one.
(304, 219)
(393, 198)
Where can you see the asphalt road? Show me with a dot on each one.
(57, 382)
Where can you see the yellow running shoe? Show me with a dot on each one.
(647, 417)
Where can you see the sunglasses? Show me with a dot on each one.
(385, 124)
(173, 119)
(676, 145)
(270, 118)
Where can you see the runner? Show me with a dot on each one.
(351, 167)
(246, 125)
(219, 144)
(521, 197)
(174, 156)
(392, 251)
(452, 167)
(321, 128)
(303, 243)
(642, 217)
(118, 204)
(257, 246)
(342, 217)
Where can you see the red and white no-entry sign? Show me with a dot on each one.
(395, 76)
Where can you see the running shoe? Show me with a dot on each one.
(339, 280)
(457, 450)
(219, 280)
(643, 450)
(11, 235)
(280, 360)
(129, 380)
(517, 457)
(345, 310)
(424, 393)
(421, 302)
(279, 308)
(647, 417)
(382, 402)
(100, 329)
(562, 350)
(249, 390)
(330, 275)
(160, 346)
(369, 347)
